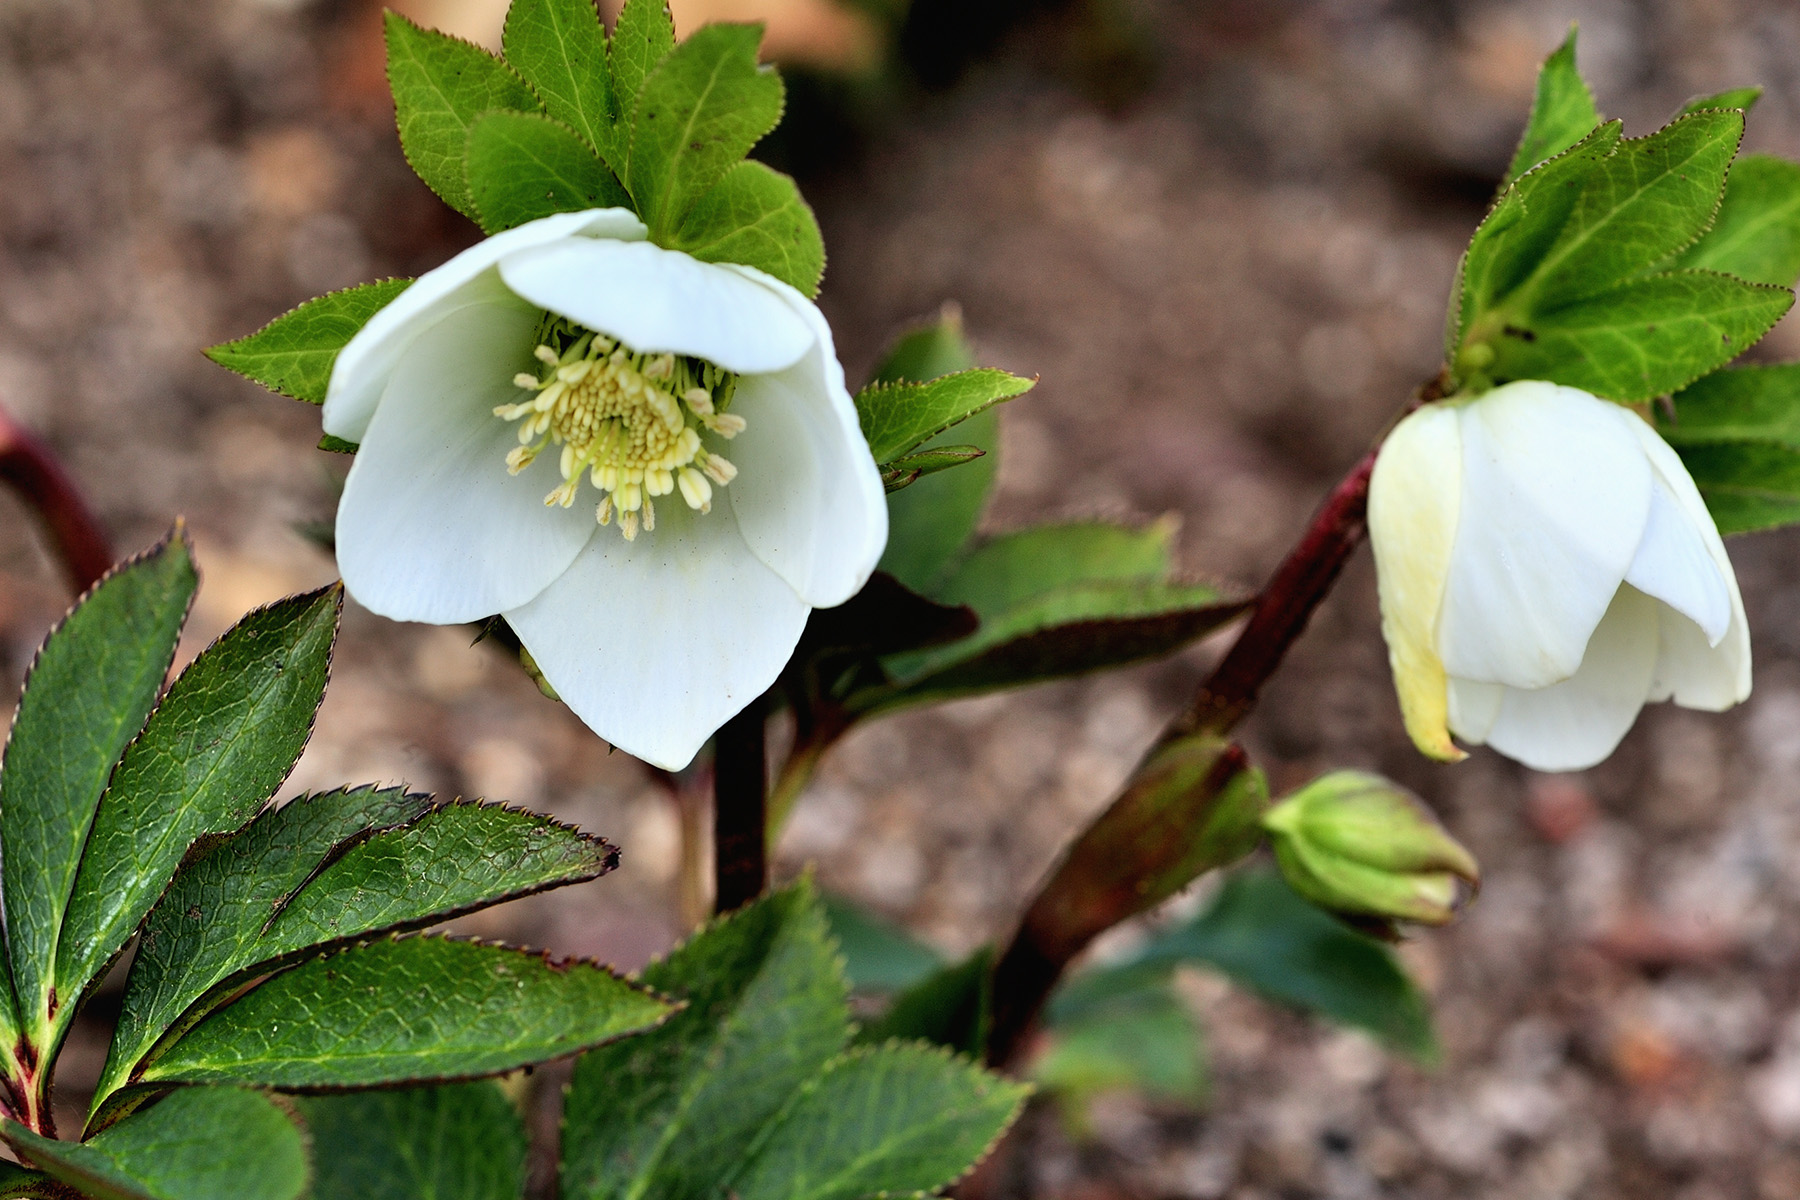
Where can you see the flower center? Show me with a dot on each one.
(631, 421)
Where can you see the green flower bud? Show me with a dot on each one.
(1357, 843)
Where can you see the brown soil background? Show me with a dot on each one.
(1227, 283)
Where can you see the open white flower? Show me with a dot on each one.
(1546, 567)
(544, 424)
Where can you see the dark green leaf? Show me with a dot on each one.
(337, 445)
(698, 113)
(209, 924)
(294, 353)
(672, 1113)
(216, 748)
(1744, 98)
(196, 1144)
(757, 217)
(87, 695)
(560, 49)
(883, 618)
(16, 1183)
(406, 1010)
(461, 1141)
(1757, 233)
(440, 85)
(1643, 338)
(927, 351)
(1264, 936)
(878, 955)
(898, 418)
(929, 522)
(1142, 1037)
(1747, 485)
(644, 35)
(1759, 403)
(952, 1007)
(1562, 114)
(881, 1121)
(523, 166)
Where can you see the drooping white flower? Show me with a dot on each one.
(1546, 566)
(648, 464)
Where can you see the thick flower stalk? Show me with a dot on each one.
(649, 465)
(1546, 566)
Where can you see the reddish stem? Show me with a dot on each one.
(34, 472)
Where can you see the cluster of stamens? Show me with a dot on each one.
(631, 421)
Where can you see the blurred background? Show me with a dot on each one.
(1222, 233)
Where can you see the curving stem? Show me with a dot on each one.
(28, 466)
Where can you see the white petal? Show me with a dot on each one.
(1572, 725)
(1474, 707)
(1674, 565)
(1556, 491)
(431, 527)
(1415, 492)
(656, 643)
(363, 366)
(808, 494)
(662, 301)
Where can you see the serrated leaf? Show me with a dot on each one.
(440, 85)
(908, 469)
(898, 418)
(756, 216)
(294, 353)
(404, 1010)
(1755, 403)
(1264, 936)
(642, 38)
(879, 956)
(523, 166)
(461, 1141)
(195, 1144)
(88, 693)
(1054, 601)
(1562, 114)
(931, 521)
(926, 351)
(337, 445)
(1643, 338)
(881, 1121)
(1140, 1036)
(672, 1113)
(1757, 233)
(209, 924)
(224, 737)
(698, 113)
(951, 1007)
(1744, 98)
(1748, 486)
(559, 47)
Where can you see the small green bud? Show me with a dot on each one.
(1358, 843)
(537, 676)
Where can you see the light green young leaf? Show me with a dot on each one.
(209, 924)
(88, 694)
(1744, 98)
(1562, 114)
(1748, 486)
(405, 1010)
(1643, 338)
(881, 1121)
(224, 737)
(642, 38)
(196, 1144)
(898, 418)
(294, 353)
(523, 166)
(931, 521)
(440, 85)
(756, 216)
(698, 113)
(1756, 403)
(560, 49)
(673, 1113)
(461, 1141)
(908, 469)
(1757, 233)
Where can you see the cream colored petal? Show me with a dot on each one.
(1414, 504)
(1474, 707)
